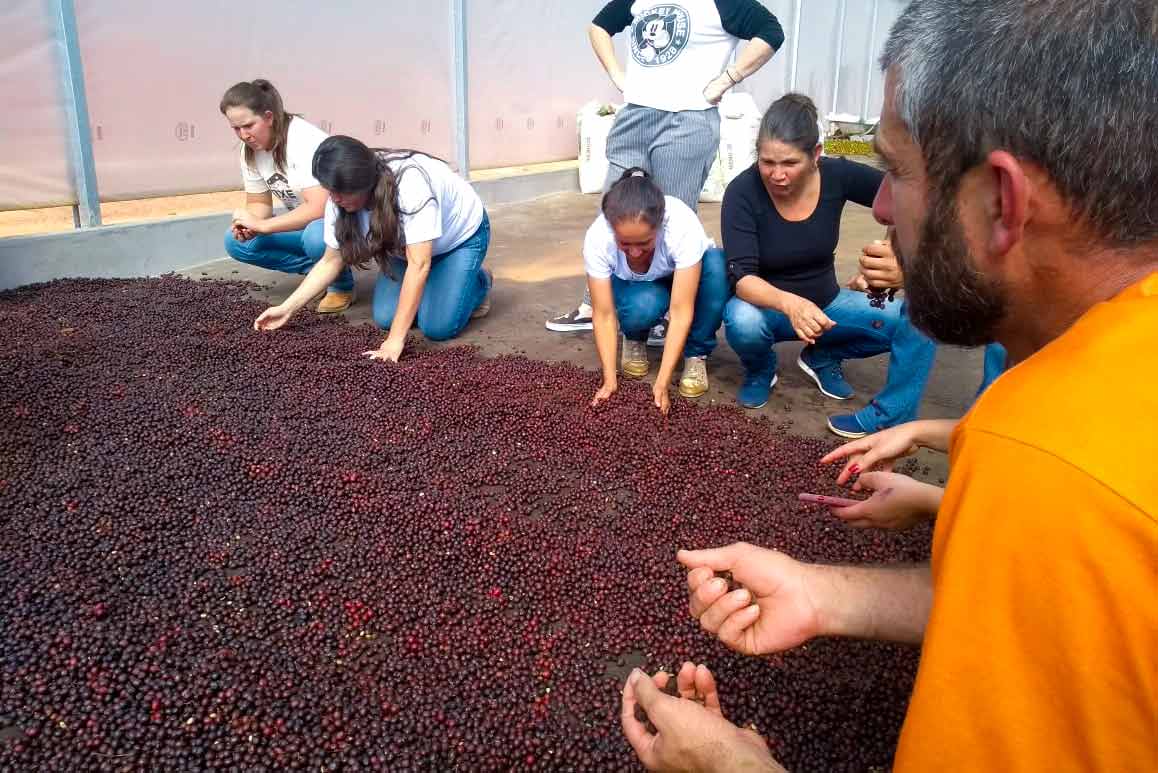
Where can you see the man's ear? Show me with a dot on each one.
(1010, 206)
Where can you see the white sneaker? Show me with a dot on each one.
(657, 337)
(579, 319)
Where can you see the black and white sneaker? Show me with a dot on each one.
(657, 337)
(579, 319)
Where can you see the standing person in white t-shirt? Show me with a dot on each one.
(648, 254)
(679, 67)
(424, 225)
(276, 160)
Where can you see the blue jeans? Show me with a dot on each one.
(994, 366)
(639, 305)
(294, 252)
(454, 288)
(861, 331)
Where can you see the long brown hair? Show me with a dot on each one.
(260, 96)
(346, 165)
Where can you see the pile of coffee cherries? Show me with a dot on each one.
(223, 549)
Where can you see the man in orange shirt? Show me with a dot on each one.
(1023, 184)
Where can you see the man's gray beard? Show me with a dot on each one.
(947, 297)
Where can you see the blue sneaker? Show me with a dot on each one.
(847, 425)
(756, 388)
(829, 378)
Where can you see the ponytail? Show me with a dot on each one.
(792, 119)
(634, 196)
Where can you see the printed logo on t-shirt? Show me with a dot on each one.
(659, 35)
(279, 186)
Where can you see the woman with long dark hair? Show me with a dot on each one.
(276, 160)
(647, 254)
(423, 225)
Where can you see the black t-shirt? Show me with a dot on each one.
(796, 257)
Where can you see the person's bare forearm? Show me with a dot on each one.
(754, 55)
(604, 327)
(885, 603)
(760, 293)
(324, 272)
(294, 220)
(605, 52)
(934, 433)
(409, 298)
(677, 335)
(259, 209)
(931, 496)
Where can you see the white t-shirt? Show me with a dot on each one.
(302, 139)
(674, 49)
(681, 243)
(450, 219)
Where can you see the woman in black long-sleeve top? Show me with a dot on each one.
(781, 223)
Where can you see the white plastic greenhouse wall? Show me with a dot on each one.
(381, 70)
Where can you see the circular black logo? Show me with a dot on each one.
(659, 35)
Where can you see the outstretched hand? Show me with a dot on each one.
(604, 393)
(880, 450)
(272, 318)
(389, 351)
(774, 608)
(661, 397)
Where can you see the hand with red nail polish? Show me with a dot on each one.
(881, 450)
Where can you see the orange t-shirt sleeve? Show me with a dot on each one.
(1041, 651)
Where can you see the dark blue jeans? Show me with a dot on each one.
(861, 331)
(454, 288)
(294, 252)
(995, 357)
(639, 305)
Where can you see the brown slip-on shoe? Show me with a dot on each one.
(335, 301)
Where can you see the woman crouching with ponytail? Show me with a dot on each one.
(647, 254)
(425, 227)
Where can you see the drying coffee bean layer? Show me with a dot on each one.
(222, 548)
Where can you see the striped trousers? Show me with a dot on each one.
(677, 150)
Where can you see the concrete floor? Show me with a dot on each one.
(535, 257)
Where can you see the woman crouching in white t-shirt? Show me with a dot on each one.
(388, 203)
(276, 160)
(645, 254)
